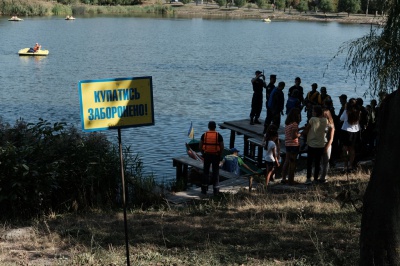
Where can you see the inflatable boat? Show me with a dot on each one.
(29, 52)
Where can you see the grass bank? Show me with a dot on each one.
(319, 226)
(49, 8)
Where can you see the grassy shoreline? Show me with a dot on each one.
(319, 226)
(190, 10)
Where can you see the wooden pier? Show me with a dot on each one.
(253, 154)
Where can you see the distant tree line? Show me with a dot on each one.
(101, 2)
(378, 7)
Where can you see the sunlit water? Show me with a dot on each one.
(201, 70)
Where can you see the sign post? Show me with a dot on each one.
(115, 104)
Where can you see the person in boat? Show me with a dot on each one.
(67, 17)
(36, 47)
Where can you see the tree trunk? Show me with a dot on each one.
(380, 224)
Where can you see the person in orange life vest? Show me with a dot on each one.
(311, 100)
(211, 144)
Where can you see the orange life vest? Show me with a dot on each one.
(210, 142)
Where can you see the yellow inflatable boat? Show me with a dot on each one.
(29, 52)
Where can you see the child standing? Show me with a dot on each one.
(271, 157)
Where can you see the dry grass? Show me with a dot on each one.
(316, 227)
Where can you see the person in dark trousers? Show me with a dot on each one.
(276, 103)
(211, 144)
(300, 91)
(257, 101)
(270, 87)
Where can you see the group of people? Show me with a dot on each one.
(327, 135)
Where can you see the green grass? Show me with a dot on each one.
(316, 227)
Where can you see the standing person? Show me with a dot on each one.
(257, 101)
(212, 145)
(311, 100)
(292, 144)
(271, 158)
(293, 101)
(276, 103)
(350, 132)
(271, 130)
(315, 131)
(329, 135)
(323, 96)
(296, 86)
(337, 146)
(270, 87)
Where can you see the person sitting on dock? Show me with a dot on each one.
(211, 144)
(232, 163)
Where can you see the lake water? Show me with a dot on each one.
(201, 70)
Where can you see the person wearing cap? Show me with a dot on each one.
(211, 144)
(256, 102)
(311, 100)
(232, 162)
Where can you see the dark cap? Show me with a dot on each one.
(314, 85)
(234, 150)
(343, 96)
(258, 72)
(272, 76)
(212, 125)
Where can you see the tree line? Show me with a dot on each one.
(373, 7)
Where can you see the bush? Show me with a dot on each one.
(51, 167)
(239, 3)
(221, 2)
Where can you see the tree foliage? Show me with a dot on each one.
(349, 6)
(325, 5)
(221, 2)
(375, 58)
(260, 3)
(239, 3)
(302, 6)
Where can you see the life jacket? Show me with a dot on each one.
(231, 164)
(210, 142)
(312, 98)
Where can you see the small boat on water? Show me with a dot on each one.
(30, 52)
(69, 18)
(266, 20)
(15, 18)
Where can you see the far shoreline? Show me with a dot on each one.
(213, 11)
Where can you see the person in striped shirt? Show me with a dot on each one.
(292, 145)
